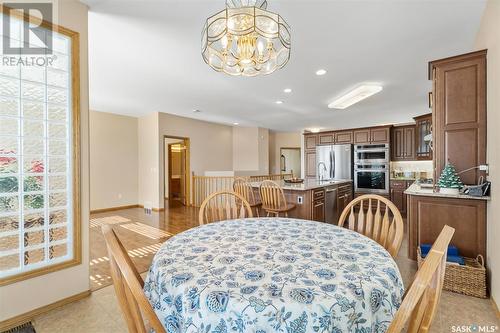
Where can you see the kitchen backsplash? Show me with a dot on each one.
(412, 169)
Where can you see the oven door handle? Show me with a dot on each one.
(372, 170)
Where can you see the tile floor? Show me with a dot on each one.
(100, 313)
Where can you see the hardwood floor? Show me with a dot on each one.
(141, 234)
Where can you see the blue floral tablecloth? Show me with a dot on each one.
(273, 275)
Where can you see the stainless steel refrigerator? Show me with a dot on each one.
(334, 162)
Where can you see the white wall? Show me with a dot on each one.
(113, 160)
(245, 148)
(24, 296)
(279, 140)
(489, 38)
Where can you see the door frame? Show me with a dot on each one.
(300, 157)
(187, 171)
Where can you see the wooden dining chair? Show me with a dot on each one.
(129, 287)
(243, 188)
(223, 205)
(421, 301)
(385, 226)
(273, 199)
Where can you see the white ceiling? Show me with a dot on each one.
(145, 57)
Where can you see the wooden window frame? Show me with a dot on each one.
(76, 149)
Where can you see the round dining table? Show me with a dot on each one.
(273, 275)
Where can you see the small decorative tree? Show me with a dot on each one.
(449, 181)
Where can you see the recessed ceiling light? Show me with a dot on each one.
(279, 102)
(236, 124)
(320, 72)
(287, 90)
(196, 111)
(314, 130)
(355, 95)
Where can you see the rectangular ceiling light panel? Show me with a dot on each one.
(354, 96)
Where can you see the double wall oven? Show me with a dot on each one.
(371, 168)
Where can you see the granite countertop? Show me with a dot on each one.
(403, 178)
(308, 184)
(415, 189)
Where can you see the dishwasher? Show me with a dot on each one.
(331, 209)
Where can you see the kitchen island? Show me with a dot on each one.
(314, 199)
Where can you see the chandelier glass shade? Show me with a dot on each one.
(246, 39)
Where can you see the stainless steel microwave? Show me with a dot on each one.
(371, 154)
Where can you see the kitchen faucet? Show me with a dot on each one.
(320, 174)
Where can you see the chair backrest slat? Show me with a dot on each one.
(223, 205)
(386, 230)
(243, 188)
(128, 286)
(272, 195)
(419, 306)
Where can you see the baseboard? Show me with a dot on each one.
(28, 316)
(154, 209)
(104, 210)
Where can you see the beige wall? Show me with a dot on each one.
(149, 161)
(279, 140)
(113, 160)
(245, 148)
(21, 297)
(211, 145)
(489, 38)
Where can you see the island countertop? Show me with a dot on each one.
(415, 189)
(308, 184)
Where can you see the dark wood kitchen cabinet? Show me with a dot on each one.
(318, 207)
(372, 135)
(310, 161)
(327, 138)
(459, 113)
(311, 140)
(403, 143)
(344, 196)
(423, 128)
(398, 197)
(344, 137)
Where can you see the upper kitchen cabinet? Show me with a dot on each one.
(310, 161)
(403, 143)
(310, 141)
(326, 138)
(372, 135)
(459, 113)
(423, 137)
(362, 136)
(380, 134)
(344, 137)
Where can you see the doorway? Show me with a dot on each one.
(290, 161)
(176, 171)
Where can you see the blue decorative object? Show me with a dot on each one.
(452, 255)
(273, 275)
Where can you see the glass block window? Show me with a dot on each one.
(36, 165)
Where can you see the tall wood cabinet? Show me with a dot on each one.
(459, 113)
(423, 126)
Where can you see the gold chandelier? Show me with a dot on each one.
(246, 39)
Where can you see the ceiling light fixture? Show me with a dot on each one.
(235, 124)
(287, 90)
(354, 96)
(321, 72)
(246, 39)
(279, 102)
(196, 111)
(314, 130)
